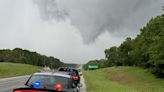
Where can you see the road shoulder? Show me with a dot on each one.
(83, 88)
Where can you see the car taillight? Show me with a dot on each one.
(29, 91)
(75, 78)
(19, 91)
(58, 87)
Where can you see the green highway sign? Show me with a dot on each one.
(93, 66)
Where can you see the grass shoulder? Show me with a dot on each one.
(16, 69)
(122, 79)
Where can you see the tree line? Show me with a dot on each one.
(146, 50)
(19, 55)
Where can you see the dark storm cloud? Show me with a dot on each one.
(93, 17)
(49, 10)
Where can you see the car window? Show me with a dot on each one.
(48, 82)
(75, 72)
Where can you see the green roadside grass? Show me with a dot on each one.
(122, 79)
(15, 69)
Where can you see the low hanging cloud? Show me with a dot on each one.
(49, 10)
(93, 17)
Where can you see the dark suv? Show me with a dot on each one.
(73, 72)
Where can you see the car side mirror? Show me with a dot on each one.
(26, 84)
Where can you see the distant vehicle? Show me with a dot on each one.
(73, 72)
(49, 82)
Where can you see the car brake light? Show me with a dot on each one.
(18, 91)
(58, 87)
(75, 78)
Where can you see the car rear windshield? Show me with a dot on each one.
(73, 72)
(48, 82)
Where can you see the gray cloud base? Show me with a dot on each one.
(93, 17)
(49, 10)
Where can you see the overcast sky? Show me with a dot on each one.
(75, 31)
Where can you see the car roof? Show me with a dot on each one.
(61, 74)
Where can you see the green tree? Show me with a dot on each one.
(19, 55)
(112, 57)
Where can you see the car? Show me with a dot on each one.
(49, 82)
(76, 76)
(73, 72)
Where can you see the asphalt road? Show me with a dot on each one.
(8, 84)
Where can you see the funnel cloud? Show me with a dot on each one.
(93, 17)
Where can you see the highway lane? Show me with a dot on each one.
(8, 84)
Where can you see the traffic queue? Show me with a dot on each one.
(65, 79)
